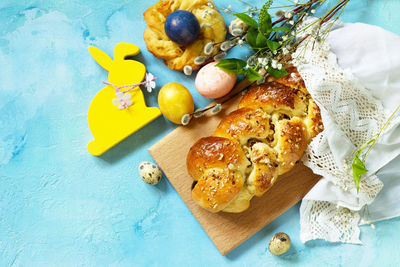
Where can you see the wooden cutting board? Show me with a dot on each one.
(227, 230)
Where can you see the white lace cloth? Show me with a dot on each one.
(353, 110)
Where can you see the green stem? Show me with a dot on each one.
(377, 136)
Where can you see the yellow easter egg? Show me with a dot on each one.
(175, 101)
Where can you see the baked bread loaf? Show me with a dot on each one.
(212, 29)
(254, 144)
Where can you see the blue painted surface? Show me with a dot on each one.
(61, 206)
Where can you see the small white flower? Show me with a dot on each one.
(123, 100)
(285, 51)
(251, 15)
(210, 5)
(208, 49)
(296, 1)
(187, 70)
(313, 11)
(260, 60)
(279, 66)
(288, 14)
(284, 38)
(150, 83)
(280, 13)
(274, 63)
(226, 10)
(240, 42)
(293, 75)
(265, 61)
(293, 33)
(291, 22)
(229, 7)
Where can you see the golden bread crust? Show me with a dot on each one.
(291, 143)
(243, 124)
(214, 152)
(218, 165)
(294, 81)
(254, 144)
(274, 97)
(176, 56)
(217, 188)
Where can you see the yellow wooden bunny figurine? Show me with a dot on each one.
(113, 115)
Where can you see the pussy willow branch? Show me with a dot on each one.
(333, 11)
(305, 8)
(296, 11)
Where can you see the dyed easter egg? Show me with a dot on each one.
(175, 101)
(182, 27)
(212, 82)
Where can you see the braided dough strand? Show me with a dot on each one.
(176, 56)
(254, 144)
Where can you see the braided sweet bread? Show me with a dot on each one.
(254, 144)
(176, 56)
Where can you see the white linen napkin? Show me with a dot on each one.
(371, 57)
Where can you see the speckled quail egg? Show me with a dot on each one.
(279, 244)
(237, 27)
(149, 172)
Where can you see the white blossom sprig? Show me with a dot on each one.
(274, 41)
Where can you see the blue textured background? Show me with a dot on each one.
(61, 206)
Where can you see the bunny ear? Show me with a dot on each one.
(102, 58)
(122, 50)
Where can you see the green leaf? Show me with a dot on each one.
(247, 19)
(251, 37)
(261, 41)
(265, 24)
(253, 75)
(272, 45)
(358, 169)
(232, 65)
(282, 28)
(277, 73)
(357, 164)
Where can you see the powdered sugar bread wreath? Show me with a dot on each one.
(212, 29)
(254, 144)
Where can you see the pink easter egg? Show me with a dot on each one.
(212, 82)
